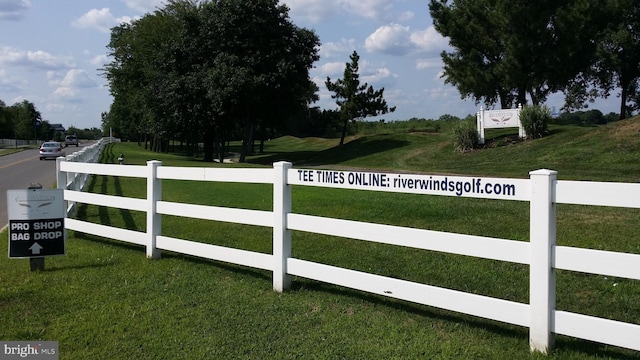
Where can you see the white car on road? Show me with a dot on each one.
(51, 149)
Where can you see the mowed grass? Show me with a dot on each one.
(104, 299)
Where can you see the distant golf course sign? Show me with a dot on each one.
(36, 223)
(493, 119)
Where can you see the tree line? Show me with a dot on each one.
(508, 52)
(23, 121)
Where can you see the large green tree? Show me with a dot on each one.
(617, 62)
(25, 117)
(209, 68)
(137, 77)
(356, 101)
(508, 51)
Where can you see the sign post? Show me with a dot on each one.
(36, 224)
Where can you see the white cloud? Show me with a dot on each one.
(13, 9)
(316, 11)
(371, 9)
(406, 16)
(331, 68)
(429, 40)
(10, 84)
(102, 20)
(55, 107)
(144, 6)
(443, 93)
(428, 63)
(378, 76)
(337, 49)
(38, 58)
(313, 11)
(77, 78)
(395, 39)
(99, 60)
(66, 93)
(69, 86)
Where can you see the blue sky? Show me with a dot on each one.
(51, 52)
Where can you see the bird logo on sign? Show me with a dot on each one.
(502, 119)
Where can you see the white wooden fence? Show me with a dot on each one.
(542, 190)
(77, 181)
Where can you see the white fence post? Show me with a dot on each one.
(154, 220)
(281, 235)
(522, 134)
(480, 125)
(61, 177)
(542, 277)
(71, 178)
(61, 183)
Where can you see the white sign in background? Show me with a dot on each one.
(501, 118)
(495, 119)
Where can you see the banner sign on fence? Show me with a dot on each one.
(36, 222)
(488, 188)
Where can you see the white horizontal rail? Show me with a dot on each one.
(477, 305)
(214, 252)
(598, 193)
(138, 171)
(597, 329)
(239, 216)
(597, 262)
(131, 236)
(470, 245)
(119, 202)
(241, 175)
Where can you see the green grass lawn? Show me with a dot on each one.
(104, 299)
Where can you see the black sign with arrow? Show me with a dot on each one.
(36, 223)
(33, 238)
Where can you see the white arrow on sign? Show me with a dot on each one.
(35, 248)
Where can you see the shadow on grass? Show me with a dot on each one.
(129, 223)
(421, 310)
(563, 343)
(111, 242)
(352, 150)
(103, 212)
(108, 157)
(77, 267)
(256, 273)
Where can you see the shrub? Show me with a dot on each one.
(535, 119)
(593, 117)
(465, 135)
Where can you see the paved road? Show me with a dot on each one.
(20, 170)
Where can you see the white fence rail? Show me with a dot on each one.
(542, 190)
